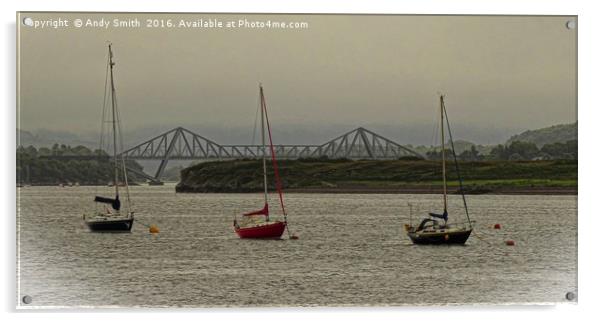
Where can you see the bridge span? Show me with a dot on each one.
(183, 144)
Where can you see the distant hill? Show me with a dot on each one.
(547, 135)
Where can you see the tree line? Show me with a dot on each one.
(517, 150)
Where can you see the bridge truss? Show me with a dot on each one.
(183, 144)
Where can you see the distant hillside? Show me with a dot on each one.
(547, 135)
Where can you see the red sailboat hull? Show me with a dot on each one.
(272, 230)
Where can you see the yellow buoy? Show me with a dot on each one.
(153, 229)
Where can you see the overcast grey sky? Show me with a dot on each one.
(498, 73)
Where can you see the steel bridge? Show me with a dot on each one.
(183, 144)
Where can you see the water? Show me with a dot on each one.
(351, 251)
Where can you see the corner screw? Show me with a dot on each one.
(570, 296)
(571, 24)
(28, 22)
(26, 299)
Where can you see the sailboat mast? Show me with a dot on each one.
(115, 165)
(453, 150)
(443, 157)
(265, 175)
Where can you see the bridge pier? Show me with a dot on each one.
(161, 169)
(151, 179)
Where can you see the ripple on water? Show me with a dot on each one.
(352, 251)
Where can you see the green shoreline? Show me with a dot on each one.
(437, 190)
(389, 176)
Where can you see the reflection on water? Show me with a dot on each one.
(351, 251)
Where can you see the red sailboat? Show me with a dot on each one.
(257, 224)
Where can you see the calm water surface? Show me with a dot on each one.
(351, 251)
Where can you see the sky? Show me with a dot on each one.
(500, 75)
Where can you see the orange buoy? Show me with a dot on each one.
(294, 237)
(497, 226)
(153, 229)
(510, 242)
